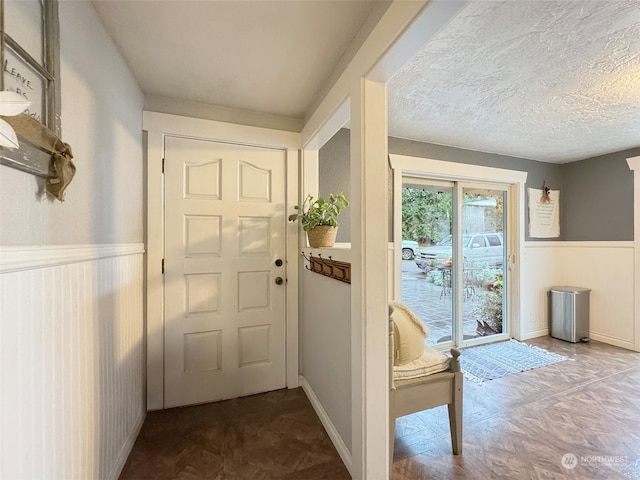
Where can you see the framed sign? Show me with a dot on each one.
(29, 54)
(544, 213)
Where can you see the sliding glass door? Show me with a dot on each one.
(457, 282)
(427, 218)
(484, 250)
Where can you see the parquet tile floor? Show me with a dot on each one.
(520, 426)
(517, 427)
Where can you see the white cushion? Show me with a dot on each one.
(431, 361)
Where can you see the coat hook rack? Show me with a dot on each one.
(328, 267)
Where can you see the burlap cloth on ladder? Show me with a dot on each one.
(61, 167)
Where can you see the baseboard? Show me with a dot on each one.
(618, 342)
(335, 437)
(541, 332)
(125, 451)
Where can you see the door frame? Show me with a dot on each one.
(155, 127)
(451, 171)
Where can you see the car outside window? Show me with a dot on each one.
(445, 241)
(494, 240)
(478, 241)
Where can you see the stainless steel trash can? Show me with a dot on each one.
(569, 313)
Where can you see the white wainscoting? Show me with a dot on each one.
(604, 267)
(71, 359)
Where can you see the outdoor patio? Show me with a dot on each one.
(434, 305)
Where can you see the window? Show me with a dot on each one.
(30, 67)
(478, 241)
(494, 240)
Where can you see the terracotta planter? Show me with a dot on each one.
(322, 236)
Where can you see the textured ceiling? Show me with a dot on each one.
(555, 81)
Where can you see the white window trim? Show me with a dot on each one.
(634, 165)
(451, 171)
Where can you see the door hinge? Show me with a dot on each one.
(163, 165)
(163, 265)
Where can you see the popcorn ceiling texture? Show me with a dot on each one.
(554, 81)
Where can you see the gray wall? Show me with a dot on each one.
(102, 121)
(596, 195)
(597, 198)
(335, 176)
(325, 334)
(74, 389)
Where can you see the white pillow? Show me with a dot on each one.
(408, 335)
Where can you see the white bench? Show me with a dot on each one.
(412, 395)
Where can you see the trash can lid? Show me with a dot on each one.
(570, 289)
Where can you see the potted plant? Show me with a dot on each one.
(319, 218)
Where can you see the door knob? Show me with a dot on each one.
(279, 280)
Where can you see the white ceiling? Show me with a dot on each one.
(554, 81)
(264, 56)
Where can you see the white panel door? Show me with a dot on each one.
(224, 302)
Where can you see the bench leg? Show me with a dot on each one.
(455, 415)
(392, 438)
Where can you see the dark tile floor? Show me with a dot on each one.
(275, 435)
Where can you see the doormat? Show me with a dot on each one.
(496, 360)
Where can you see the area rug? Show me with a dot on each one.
(496, 360)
